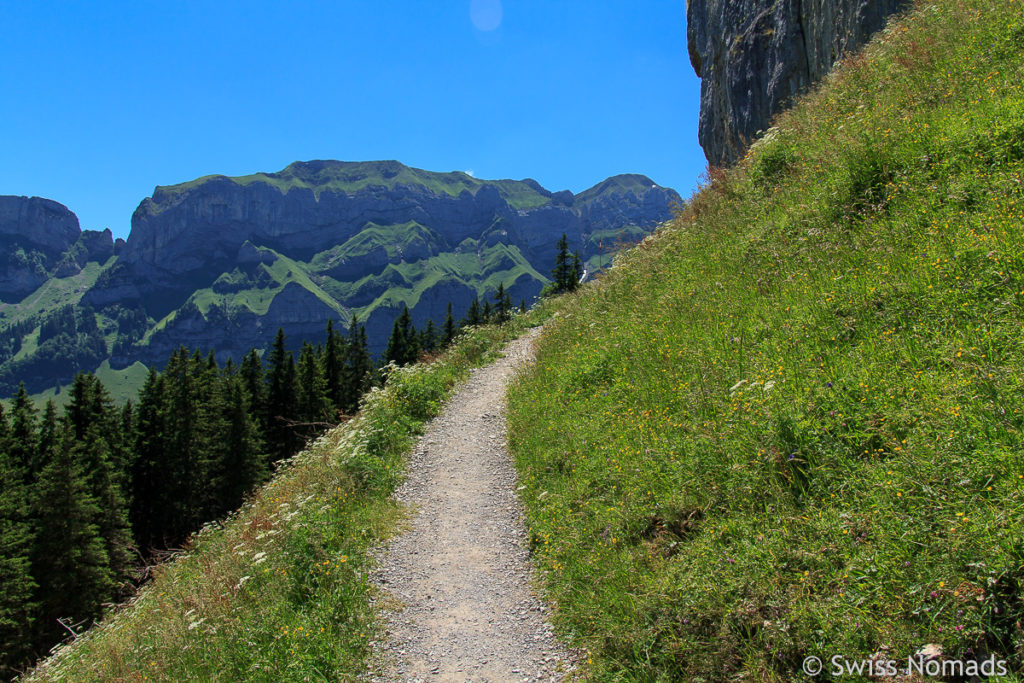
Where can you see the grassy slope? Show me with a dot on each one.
(280, 591)
(789, 423)
(55, 293)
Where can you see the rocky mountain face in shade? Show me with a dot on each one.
(754, 56)
(40, 239)
(220, 263)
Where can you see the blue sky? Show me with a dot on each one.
(102, 101)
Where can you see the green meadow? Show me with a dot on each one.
(789, 423)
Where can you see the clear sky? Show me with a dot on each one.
(102, 101)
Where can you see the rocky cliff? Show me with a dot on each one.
(41, 239)
(754, 56)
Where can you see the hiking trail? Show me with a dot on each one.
(461, 573)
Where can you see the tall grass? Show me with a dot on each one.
(789, 424)
(279, 591)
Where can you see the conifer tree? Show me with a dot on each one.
(282, 441)
(17, 586)
(358, 367)
(243, 462)
(562, 272)
(522, 305)
(69, 558)
(403, 346)
(486, 314)
(333, 365)
(428, 339)
(150, 514)
(21, 446)
(576, 272)
(255, 386)
(502, 304)
(312, 404)
(95, 448)
(473, 313)
(234, 461)
(181, 452)
(449, 326)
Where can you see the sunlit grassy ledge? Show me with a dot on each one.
(789, 424)
(279, 591)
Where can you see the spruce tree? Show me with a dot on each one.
(449, 326)
(96, 448)
(17, 586)
(234, 461)
(358, 367)
(150, 510)
(562, 272)
(522, 305)
(576, 272)
(312, 403)
(181, 452)
(21, 446)
(333, 365)
(69, 557)
(473, 313)
(255, 386)
(282, 441)
(428, 339)
(486, 314)
(403, 345)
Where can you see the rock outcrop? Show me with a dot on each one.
(41, 239)
(754, 56)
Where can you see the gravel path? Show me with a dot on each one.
(461, 574)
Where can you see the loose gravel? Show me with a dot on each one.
(461, 574)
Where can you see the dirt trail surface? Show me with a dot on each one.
(461, 574)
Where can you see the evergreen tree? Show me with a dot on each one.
(151, 511)
(282, 441)
(69, 557)
(449, 327)
(562, 272)
(334, 365)
(255, 386)
(358, 367)
(95, 448)
(576, 272)
(502, 304)
(234, 461)
(473, 313)
(403, 346)
(17, 586)
(180, 444)
(242, 463)
(522, 305)
(486, 314)
(21, 446)
(312, 403)
(428, 339)
(49, 434)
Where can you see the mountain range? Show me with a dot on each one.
(220, 263)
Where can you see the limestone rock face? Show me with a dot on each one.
(184, 236)
(221, 263)
(754, 56)
(34, 235)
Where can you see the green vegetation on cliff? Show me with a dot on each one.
(789, 423)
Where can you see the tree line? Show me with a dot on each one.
(90, 496)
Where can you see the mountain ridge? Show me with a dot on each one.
(222, 262)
